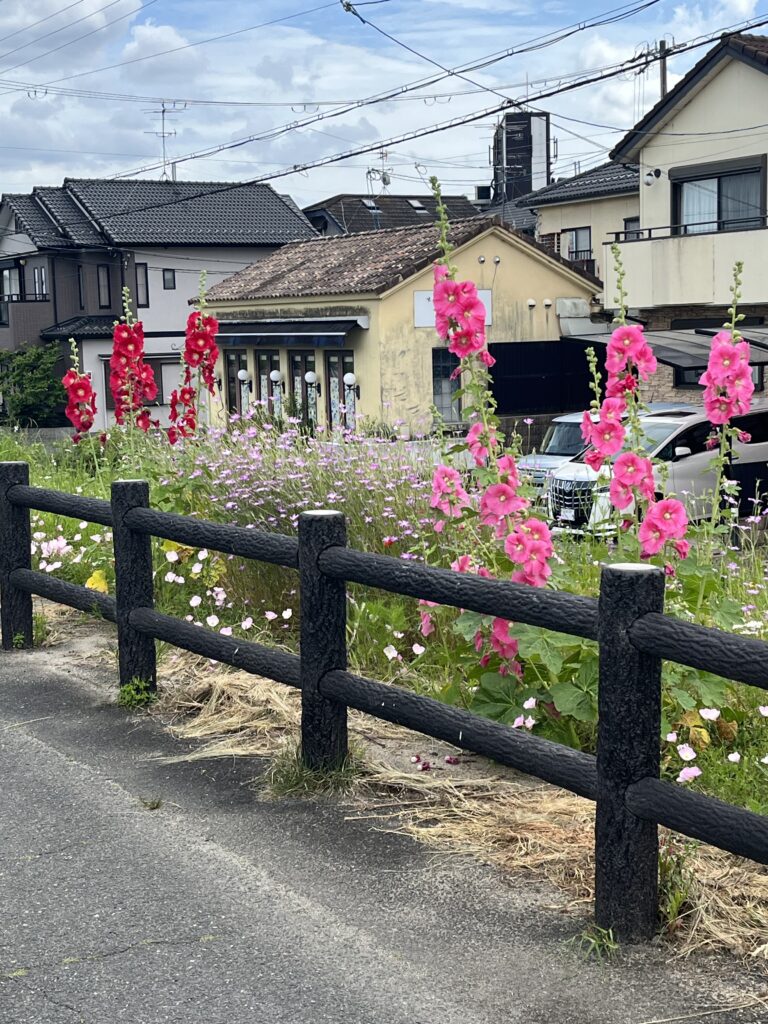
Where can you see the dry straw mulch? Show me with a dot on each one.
(476, 807)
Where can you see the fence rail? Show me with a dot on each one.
(627, 622)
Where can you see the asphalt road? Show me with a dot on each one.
(222, 907)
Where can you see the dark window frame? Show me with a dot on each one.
(272, 356)
(680, 176)
(145, 274)
(166, 286)
(633, 232)
(686, 378)
(451, 362)
(343, 355)
(233, 397)
(106, 269)
(578, 254)
(303, 357)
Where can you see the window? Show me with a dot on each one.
(370, 204)
(443, 387)
(632, 229)
(418, 205)
(267, 391)
(341, 401)
(169, 280)
(142, 285)
(304, 396)
(238, 392)
(688, 377)
(81, 286)
(732, 200)
(580, 244)
(105, 294)
(10, 285)
(694, 438)
(40, 282)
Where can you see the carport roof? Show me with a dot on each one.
(687, 349)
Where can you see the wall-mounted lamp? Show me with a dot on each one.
(310, 378)
(219, 383)
(531, 303)
(651, 176)
(547, 303)
(242, 376)
(276, 376)
(497, 260)
(350, 384)
(22, 263)
(481, 259)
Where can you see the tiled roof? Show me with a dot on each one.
(35, 221)
(353, 215)
(609, 179)
(366, 262)
(80, 327)
(740, 46)
(514, 215)
(188, 212)
(96, 212)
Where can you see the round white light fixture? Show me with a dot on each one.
(350, 380)
(275, 376)
(531, 303)
(310, 377)
(242, 375)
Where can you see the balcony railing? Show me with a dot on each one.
(18, 297)
(702, 227)
(583, 259)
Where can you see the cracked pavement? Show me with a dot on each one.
(222, 907)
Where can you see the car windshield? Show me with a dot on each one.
(655, 433)
(562, 439)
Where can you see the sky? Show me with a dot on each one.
(266, 77)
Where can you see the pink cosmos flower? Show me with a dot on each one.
(689, 773)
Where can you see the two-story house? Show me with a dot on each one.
(67, 252)
(702, 151)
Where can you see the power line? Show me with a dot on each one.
(85, 35)
(26, 28)
(536, 43)
(55, 31)
(189, 46)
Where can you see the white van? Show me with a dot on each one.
(561, 442)
(577, 496)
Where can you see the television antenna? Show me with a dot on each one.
(166, 111)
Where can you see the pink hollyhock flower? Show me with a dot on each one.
(607, 437)
(631, 470)
(719, 408)
(479, 440)
(465, 343)
(617, 386)
(448, 495)
(441, 272)
(724, 358)
(505, 645)
(586, 426)
(621, 496)
(744, 437)
(446, 297)
(479, 641)
(611, 411)
(689, 773)
(462, 564)
(472, 315)
(427, 624)
(594, 459)
(682, 547)
(646, 362)
(499, 501)
(486, 357)
(445, 479)
(627, 339)
(672, 514)
(508, 471)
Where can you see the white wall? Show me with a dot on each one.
(168, 310)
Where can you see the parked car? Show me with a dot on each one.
(562, 441)
(577, 496)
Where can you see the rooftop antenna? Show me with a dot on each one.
(166, 133)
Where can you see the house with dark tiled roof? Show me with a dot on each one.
(702, 152)
(575, 215)
(349, 213)
(67, 253)
(344, 326)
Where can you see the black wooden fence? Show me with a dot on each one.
(627, 621)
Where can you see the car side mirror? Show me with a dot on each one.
(682, 452)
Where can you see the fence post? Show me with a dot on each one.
(323, 641)
(15, 553)
(629, 704)
(133, 583)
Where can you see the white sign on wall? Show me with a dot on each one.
(424, 312)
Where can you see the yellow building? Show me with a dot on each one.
(345, 325)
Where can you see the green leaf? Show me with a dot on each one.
(572, 700)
